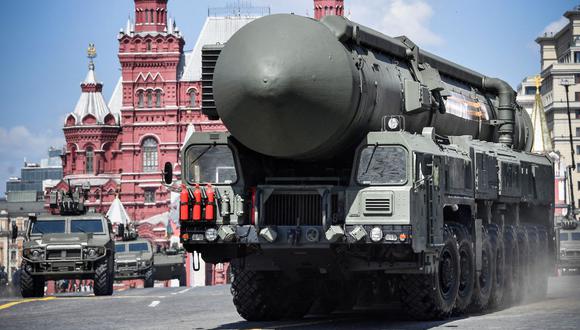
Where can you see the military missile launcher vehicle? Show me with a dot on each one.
(72, 244)
(134, 260)
(358, 166)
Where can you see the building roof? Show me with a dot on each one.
(91, 101)
(216, 30)
(117, 213)
(116, 101)
(22, 209)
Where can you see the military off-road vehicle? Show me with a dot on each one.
(169, 265)
(70, 245)
(570, 249)
(134, 260)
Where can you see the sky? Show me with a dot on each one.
(43, 56)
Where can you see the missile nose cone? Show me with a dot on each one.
(284, 86)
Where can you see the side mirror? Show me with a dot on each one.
(168, 173)
(14, 231)
(427, 165)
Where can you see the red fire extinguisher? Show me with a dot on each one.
(184, 204)
(197, 203)
(210, 205)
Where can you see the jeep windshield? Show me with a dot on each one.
(138, 247)
(48, 227)
(94, 226)
(210, 164)
(120, 248)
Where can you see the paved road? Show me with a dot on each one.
(211, 308)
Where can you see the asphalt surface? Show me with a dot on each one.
(212, 308)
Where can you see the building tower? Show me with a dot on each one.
(150, 53)
(91, 155)
(328, 8)
(150, 15)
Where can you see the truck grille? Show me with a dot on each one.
(63, 254)
(293, 209)
(122, 266)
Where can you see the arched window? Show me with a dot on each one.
(89, 168)
(158, 98)
(148, 46)
(150, 155)
(140, 99)
(149, 99)
(192, 98)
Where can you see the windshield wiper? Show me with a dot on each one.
(203, 153)
(79, 229)
(371, 159)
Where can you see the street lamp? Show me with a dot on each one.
(567, 82)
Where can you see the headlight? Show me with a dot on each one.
(143, 263)
(211, 234)
(376, 234)
(34, 254)
(92, 253)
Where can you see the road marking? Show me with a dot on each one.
(154, 303)
(10, 304)
(182, 291)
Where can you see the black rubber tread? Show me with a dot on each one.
(497, 291)
(103, 280)
(524, 264)
(421, 294)
(484, 282)
(467, 262)
(327, 298)
(257, 295)
(299, 299)
(542, 285)
(512, 278)
(183, 278)
(31, 286)
(149, 281)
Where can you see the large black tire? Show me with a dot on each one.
(524, 263)
(149, 280)
(484, 279)
(183, 278)
(512, 270)
(31, 286)
(498, 288)
(541, 286)
(467, 268)
(300, 298)
(432, 296)
(258, 296)
(104, 278)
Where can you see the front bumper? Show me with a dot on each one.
(130, 274)
(302, 236)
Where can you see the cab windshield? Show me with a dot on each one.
(382, 165)
(86, 226)
(48, 227)
(137, 247)
(210, 164)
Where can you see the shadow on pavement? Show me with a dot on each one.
(353, 320)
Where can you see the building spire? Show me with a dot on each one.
(91, 54)
(542, 139)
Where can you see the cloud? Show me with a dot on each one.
(555, 26)
(19, 143)
(397, 17)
